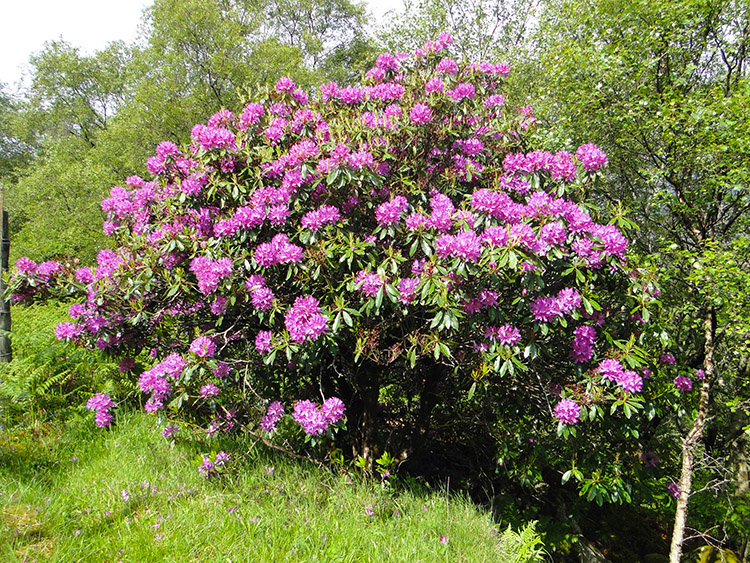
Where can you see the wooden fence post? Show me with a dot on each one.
(6, 352)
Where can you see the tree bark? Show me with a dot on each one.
(690, 441)
(368, 388)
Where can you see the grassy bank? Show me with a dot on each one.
(127, 494)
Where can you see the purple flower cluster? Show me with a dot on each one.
(683, 383)
(407, 288)
(25, 266)
(278, 251)
(386, 61)
(547, 309)
(304, 320)
(567, 411)
(591, 157)
(263, 341)
(209, 468)
(210, 272)
(68, 331)
(667, 359)
(273, 415)
(315, 420)
(369, 283)
(461, 92)
(583, 344)
(209, 390)
(46, 270)
(313, 220)
(559, 166)
(155, 380)
(466, 245)
(213, 138)
(612, 370)
(170, 430)
(221, 370)
(486, 299)
(203, 347)
(262, 298)
(673, 489)
(101, 403)
(390, 212)
(435, 84)
(448, 66)
(420, 114)
(507, 335)
(285, 84)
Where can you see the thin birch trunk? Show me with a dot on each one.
(691, 440)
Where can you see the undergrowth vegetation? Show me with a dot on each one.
(129, 494)
(48, 377)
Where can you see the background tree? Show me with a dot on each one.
(484, 29)
(15, 152)
(71, 102)
(663, 86)
(95, 119)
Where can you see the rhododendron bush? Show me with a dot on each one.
(391, 253)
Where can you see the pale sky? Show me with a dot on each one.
(87, 24)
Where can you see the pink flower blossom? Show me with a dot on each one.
(262, 298)
(170, 430)
(507, 335)
(448, 66)
(98, 402)
(466, 245)
(333, 410)
(209, 390)
(567, 411)
(386, 61)
(285, 85)
(273, 415)
(210, 272)
(667, 359)
(369, 283)
(278, 251)
(435, 84)
(314, 420)
(203, 347)
(591, 157)
(420, 114)
(67, 331)
(304, 320)
(683, 383)
(310, 418)
(583, 344)
(390, 212)
(673, 489)
(461, 92)
(407, 288)
(263, 341)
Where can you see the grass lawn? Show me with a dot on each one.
(78, 493)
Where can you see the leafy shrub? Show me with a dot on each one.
(397, 245)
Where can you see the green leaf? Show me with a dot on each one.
(437, 319)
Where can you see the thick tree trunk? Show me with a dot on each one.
(368, 389)
(693, 437)
(427, 401)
